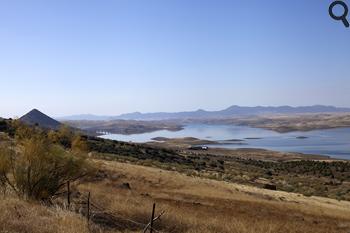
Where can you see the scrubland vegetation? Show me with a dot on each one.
(199, 192)
(33, 167)
(194, 204)
(293, 174)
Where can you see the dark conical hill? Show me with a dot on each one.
(35, 117)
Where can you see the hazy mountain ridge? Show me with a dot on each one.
(232, 111)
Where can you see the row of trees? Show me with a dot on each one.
(36, 164)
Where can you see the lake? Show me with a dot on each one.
(332, 142)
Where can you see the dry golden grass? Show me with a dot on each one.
(192, 205)
(21, 216)
(199, 205)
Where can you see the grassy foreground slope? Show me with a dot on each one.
(18, 216)
(201, 205)
(191, 204)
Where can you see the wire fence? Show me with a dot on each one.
(92, 210)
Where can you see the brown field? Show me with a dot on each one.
(19, 216)
(297, 122)
(201, 205)
(191, 204)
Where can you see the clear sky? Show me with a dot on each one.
(114, 56)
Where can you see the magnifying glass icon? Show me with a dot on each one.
(339, 17)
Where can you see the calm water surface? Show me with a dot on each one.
(333, 142)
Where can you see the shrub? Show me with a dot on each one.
(38, 169)
(79, 145)
(3, 125)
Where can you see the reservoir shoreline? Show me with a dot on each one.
(328, 142)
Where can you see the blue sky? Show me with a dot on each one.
(114, 56)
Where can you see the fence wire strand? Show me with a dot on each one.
(116, 215)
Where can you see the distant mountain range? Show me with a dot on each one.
(233, 111)
(35, 117)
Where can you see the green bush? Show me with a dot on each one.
(37, 169)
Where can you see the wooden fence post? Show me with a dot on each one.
(88, 208)
(68, 194)
(152, 217)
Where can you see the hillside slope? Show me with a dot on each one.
(35, 117)
(203, 206)
(18, 216)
